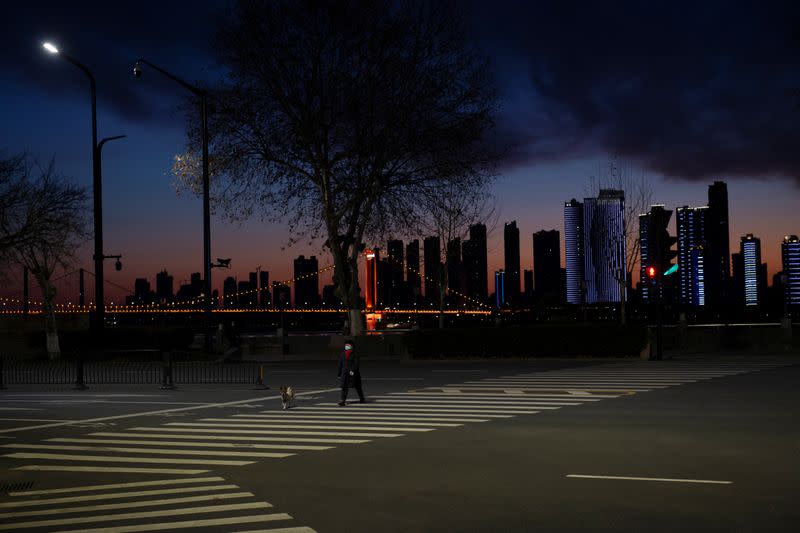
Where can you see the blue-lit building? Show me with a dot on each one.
(604, 246)
(655, 248)
(573, 247)
(790, 254)
(691, 231)
(499, 288)
(751, 269)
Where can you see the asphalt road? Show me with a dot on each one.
(701, 445)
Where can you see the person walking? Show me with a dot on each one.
(349, 373)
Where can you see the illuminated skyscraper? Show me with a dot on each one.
(691, 226)
(371, 278)
(751, 270)
(573, 246)
(499, 289)
(790, 254)
(512, 262)
(604, 246)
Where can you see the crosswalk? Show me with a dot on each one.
(246, 437)
(153, 505)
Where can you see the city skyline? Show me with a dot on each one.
(154, 228)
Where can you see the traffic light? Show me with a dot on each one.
(651, 272)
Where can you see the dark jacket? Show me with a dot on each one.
(346, 365)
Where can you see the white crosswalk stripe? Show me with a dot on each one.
(131, 507)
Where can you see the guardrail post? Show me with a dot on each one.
(262, 378)
(166, 378)
(80, 384)
(2, 377)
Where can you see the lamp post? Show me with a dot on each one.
(97, 190)
(203, 95)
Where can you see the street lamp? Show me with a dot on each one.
(203, 95)
(97, 190)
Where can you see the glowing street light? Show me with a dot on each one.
(50, 47)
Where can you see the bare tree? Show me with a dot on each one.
(339, 117)
(449, 212)
(620, 174)
(56, 210)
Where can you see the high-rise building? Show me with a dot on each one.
(306, 284)
(329, 298)
(547, 267)
(717, 249)
(141, 291)
(512, 262)
(246, 294)
(499, 289)
(655, 246)
(573, 247)
(751, 270)
(229, 296)
(164, 287)
(413, 277)
(433, 264)
(371, 278)
(474, 254)
(790, 255)
(691, 228)
(604, 246)
(527, 286)
(281, 296)
(395, 266)
(455, 272)
(263, 289)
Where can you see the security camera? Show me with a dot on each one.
(118, 265)
(137, 70)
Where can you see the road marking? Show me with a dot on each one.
(301, 529)
(19, 408)
(137, 515)
(270, 432)
(186, 524)
(230, 437)
(195, 444)
(115, 495)
(344, 421)
(462, 371)
(109, 469)
(446, 408)
(178, 481)
(470, 402)
(323, 417)
(366, 411)
(394, 379)
(150, 413)
(414, 411)
(31, 420)
(157, 451)
(295, 426)
(652, 479)
(130, 505)
(107, 459)
(485, 395)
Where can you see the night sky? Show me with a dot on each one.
(689, 93)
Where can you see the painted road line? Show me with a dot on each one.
(31, 420)
(86, 488)
(301, 529)
(19, 408)
(367, 412)
(485, 395)
(322, 417)
(446, 408)
(582, 382)
(110, 469)
(137, 515)
(270, 432)
(116, 495)
(328, 421)
(194, 444)
(414, 411)
(163, 411)
(107, 459)
(231, 437)
(469, 402)
(498, 389)
(129, 505)
(296, 426)
(157, 451)
(670, 480)
(186, 524)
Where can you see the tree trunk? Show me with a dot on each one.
(345, 276)
(51, 333)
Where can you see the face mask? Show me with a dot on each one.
(348, 347)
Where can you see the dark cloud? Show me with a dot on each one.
(691, 90)
(108, 37)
